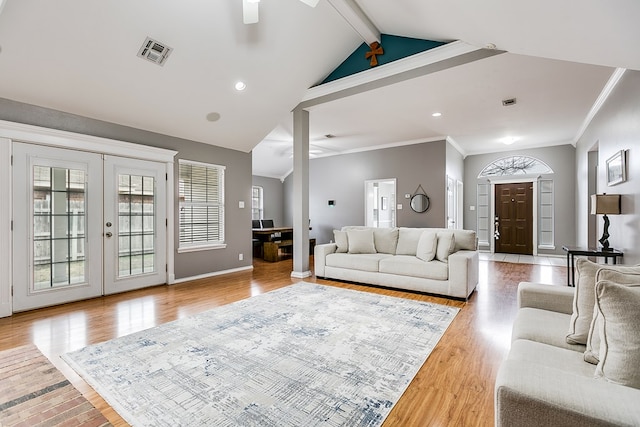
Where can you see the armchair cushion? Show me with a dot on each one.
(619, 306)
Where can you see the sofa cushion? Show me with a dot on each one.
(543, 326)
(407, 265)
(385, 240)
(446, 245)
(362, 262)
(592, 352)
(426, 250)
(361, 241)
(408, 240)
(619, 306)
(342, 242)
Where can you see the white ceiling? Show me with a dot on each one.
(79, 56)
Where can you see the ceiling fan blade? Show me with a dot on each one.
(249, 12)
(312, 3)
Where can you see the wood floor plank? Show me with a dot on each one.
(454, 386)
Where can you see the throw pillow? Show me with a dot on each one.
(446, 245)
(408, 241)
(361, 241)
(386, 240)
(427, 246)
(341, 241)
(619, 306)
(583, 301)
(592, 352)
(584, 298)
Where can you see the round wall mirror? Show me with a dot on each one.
(419, 203)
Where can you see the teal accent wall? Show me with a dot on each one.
(395, 47)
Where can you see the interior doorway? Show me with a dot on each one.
(513, 231)
(380, 203)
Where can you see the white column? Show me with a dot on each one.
(300, 194)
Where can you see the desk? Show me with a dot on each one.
(275, 238)
(274, 233)
(573, 251)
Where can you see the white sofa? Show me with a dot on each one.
(559, 371)
(432, 260)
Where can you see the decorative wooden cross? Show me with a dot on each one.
(376, 49)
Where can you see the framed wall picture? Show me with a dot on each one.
(617, 168)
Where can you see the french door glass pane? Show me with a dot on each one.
(136, 220)
(59, 206)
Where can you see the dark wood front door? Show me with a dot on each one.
(514, 218)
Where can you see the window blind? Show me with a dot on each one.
(201, 192)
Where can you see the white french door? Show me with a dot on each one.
(134, 224)
(84, 225)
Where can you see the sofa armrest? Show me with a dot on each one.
(546, 297)
(463, 273)
(320, 252)
(533, 394)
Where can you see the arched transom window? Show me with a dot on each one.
(515, 165)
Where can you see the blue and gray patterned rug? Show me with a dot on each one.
(304, 355)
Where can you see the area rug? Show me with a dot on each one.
(34, 393)
(304, 355)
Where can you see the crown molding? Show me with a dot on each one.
(606, 91)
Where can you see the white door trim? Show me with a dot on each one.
(76, 141)
(5, 228)
(11, 131)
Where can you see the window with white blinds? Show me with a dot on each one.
(201, 192)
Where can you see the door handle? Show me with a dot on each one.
(108, 234)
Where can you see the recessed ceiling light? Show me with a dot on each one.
(213, 117)
(508, 140)
(241, 86)
(436, 114)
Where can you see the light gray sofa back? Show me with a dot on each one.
(465, 239)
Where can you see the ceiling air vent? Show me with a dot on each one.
(508, 102)
(154, 51)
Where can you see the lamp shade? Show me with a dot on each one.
(607, 204)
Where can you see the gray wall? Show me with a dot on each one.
(237, 179)
(341, 178)
(273, 203)
(561, 160)
(616, 127)
(455, 163)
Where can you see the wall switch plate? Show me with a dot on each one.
(240, 257)
(241, 204)
(472, 208)
(399, 207)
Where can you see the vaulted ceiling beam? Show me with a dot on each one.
(353, 14)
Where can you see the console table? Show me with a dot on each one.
(573, 251)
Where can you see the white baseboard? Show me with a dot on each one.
(302, 275)
(212, 274)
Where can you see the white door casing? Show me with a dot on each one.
(17, 132)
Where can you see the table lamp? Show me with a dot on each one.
(605, 204)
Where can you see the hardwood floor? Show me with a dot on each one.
(453, 388)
